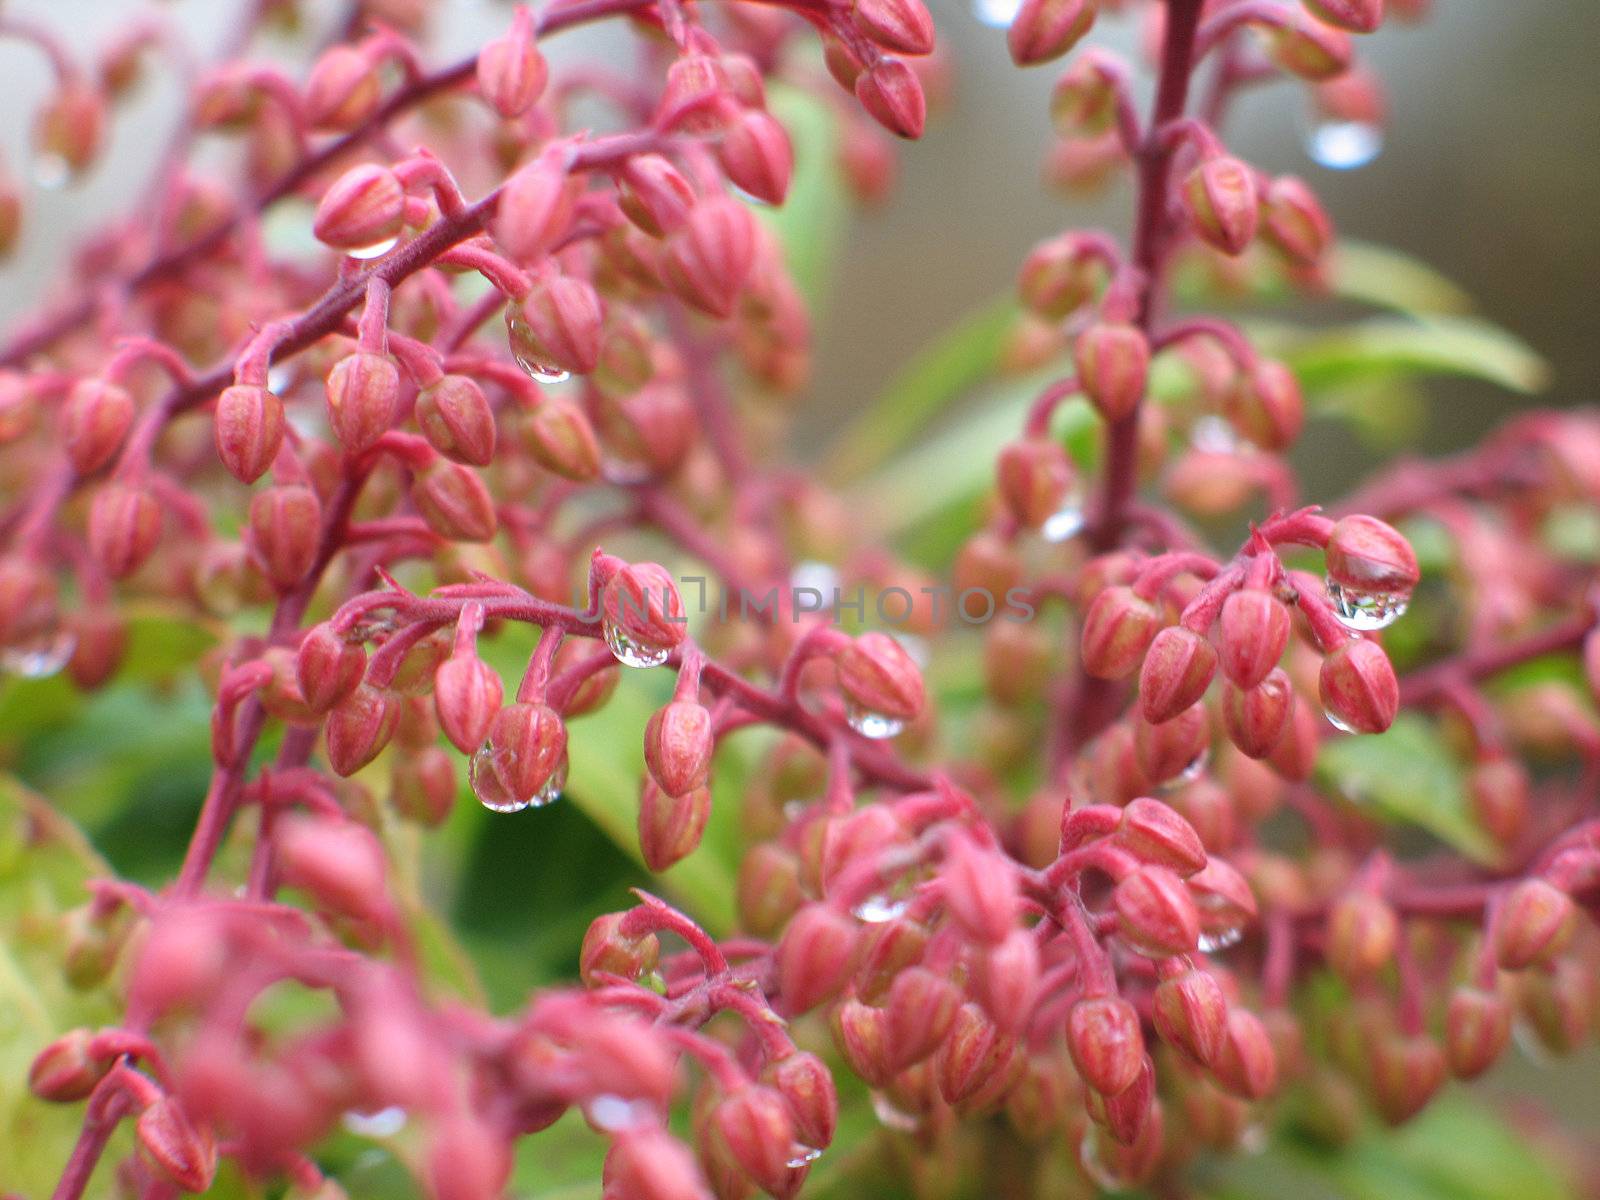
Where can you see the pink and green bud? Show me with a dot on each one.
(1191, 1013)
(1220, 195)
(877, 676)
(1534, 924)
(807, 1087)
(1363, 932)
(535, 210)
(1113, 361)
(757, 156)
(339, 864)
(654, 194)
(1406, 1073)
(754, 1128)
(124, 527)
(1154, 833)
(900, 26)
(1247, 1064)
(892, 95)
(1366, 555)
(814, 957)
(609, 950)
(467, 693)
(248, 428)
(1106, 1043)
(1058, 277)
(365, 207)
(861, 1033)
(563, 315)
(1173, 748)
(1265, 405)
(1177, 670)
(708, 259)
(640, 604)
(455, 502)
(457, 419)
(180, 1151)
(530, 744)
(1044, 30)
(647, 1163)
(343, 90)
(670, 827)
(511, 71)
(1477, 1029)
(95, 420)
(1310, 49)
(359, 727)
(70, 127)
(66, 1069)
(1359, 688)
(919, 1012)
(975, 1060)
(363, 393)
(1256, 718)
(1155, 913)
(1295, 222)
(424, 787)
(677, 747)
(1006, 980)
(980, 890)
(562, 440)
(1035, 477)
(328, 667)
(1356, 16)
(1117, 632)
(768, 888)
(1253, 632)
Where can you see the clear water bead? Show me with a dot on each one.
(1211, 434)
(612, 1114)
(819, 576)
(1366, 611)
(51, 172)
(1213, 940)
(1343, 145)
(892, 1117)
(1104, 1174)
(1065, 523)
(523, 348)
(379, 1123)
(1338, 724)
(632, 653)
(877, 909)
(1196, 768)
(494, 793)
(40, 656)
(997, 14)
(802, 1156)
(871, 724)
(376, 250)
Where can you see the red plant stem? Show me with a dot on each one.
(1433, 683)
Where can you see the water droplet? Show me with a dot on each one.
(525, 350)
(1253, 1139)
(376, 250)
(51, 172)
(871, 724)
(278, 377)
(997, 14)
(632, 653)
(1343, 145)
(1213, 940)
(494, 793)
(1337, 723)
(38, 656)
(1366, 611)
(820, 576)
(891, 1117)
(611, 1114)
(1213, 435)
(1105, 1174)
(877, 909)
(1196, 768)
(1065, 523)
(802, 1156)
(379, 1123)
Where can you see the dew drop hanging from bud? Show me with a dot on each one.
(38, 656)
(996, 14)
(520, 336)
(1103, 1174)
(1365, 611)
(379, 1123)
(1338, 724)
(1213, 940)
(1196, 768)
(376, 250)
(874, 725)
(51, 172)
(1343, 145)
(801, 1155)
(489, 783)
(891, 1116)
(632, 653)
(878, 909)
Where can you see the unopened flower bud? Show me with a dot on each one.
(1058, 277)
(807, 1088)
(1007, 980)
(677, 746)
(1113, 362)
(1220, 195)
(902, 26)
(1358, 686)
(1363, 932)
(768, 888)
(708, 260)
(424, 787)
(1534, 924)
(340, 864)
(920, 1010)
(328, 667)
(1295, 755)
(1035, 477)
(1477, 1028)
(754, 1127)
(1117, 631)
(1406, 1072)
(1173, 748)
(698, 96)
(465, 1160)
(1177, 670)
(342, 91)
(974, 1057)
(535, 209)
(466, 694)
(1256, 718)
(1223, 897)
(1155, 834)
(285, 525)
(861, 1033)
(530, 748)
(248, 427)
(1499, 787)
(95, 419)
(647, 1163)
(1044, 30)
(124, 526)
(511, 71)
(457, 419)
(1106, 1043)
(359, 727)
(642, 611)
(1247, 1065)
(455, 502)
(878, 677)
(1309, 49)
(654, 194)
(1357, 16)
(1295, 222)
(561, 439)
(563, 316)
(363, 392)
(1155, 913)
(756, 154)
(892, 95)
(607, 950)
(365, 207)
(70, 127)
(65, 1070)
(1253, 633)
(1191, 1013)
(670, 827)
(814, 957)
(1366, 555)
(979, 887)
(1265, 405)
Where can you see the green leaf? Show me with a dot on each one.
(1408, 776)
(1386, 278)
(1388, 346)
(952, 365)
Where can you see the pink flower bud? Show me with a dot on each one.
(455, 502)
(563, 315)
(902, 26)
(892, 95)
(1126, 1114)
(10, 229)
(95, 419)
(424, 787)
(1366, 555)
(457, 419)
(1035, 477)
(1176, 672)
(670, 827)
(1058, 277)
(1191, 1013)
(1044, 30)
(861, 1032)
(285, 525)
(1220, 195)
(1106, 1043)
(359, 728)
(1295, 755)
(511, 71)
(1256, 718)
(1499, 788)
(642, 610)
(1117, 631)
(465, 1160)
(698, 95)
(1155, 914)
(124, 526)
(1154, 833)
(535, 209)
(466, 694)
(1534, 924)
(65, 1070)
(648, 1163)
(363, 392)
(768, 888)
(756, 154)
(1406, 1073)
(1307, 48)
(754, 1126)
(180, 1151)
(975, 1058)
(342, 91)
(877, 676)
(1359, 688)
(607, 950)
(328, 667)
(530, 747)
(561, 439)
(70, 127)
(654, 194)
(1477, 1029)
(1254, 632)
(807, 1088)
(1247, 1065)
(1007, 980)
(1357, 16)
(1173, 748)
(919, 1012)
(708, 260)
(248, 427)
(1113, 362)
(338, 863)
(1084, 100)
(814, 957)
(980, 890)
(1223, 897)
(365, 207)
(1363, 932)
(678, 745)
(1265, 405)
(1295, 222)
